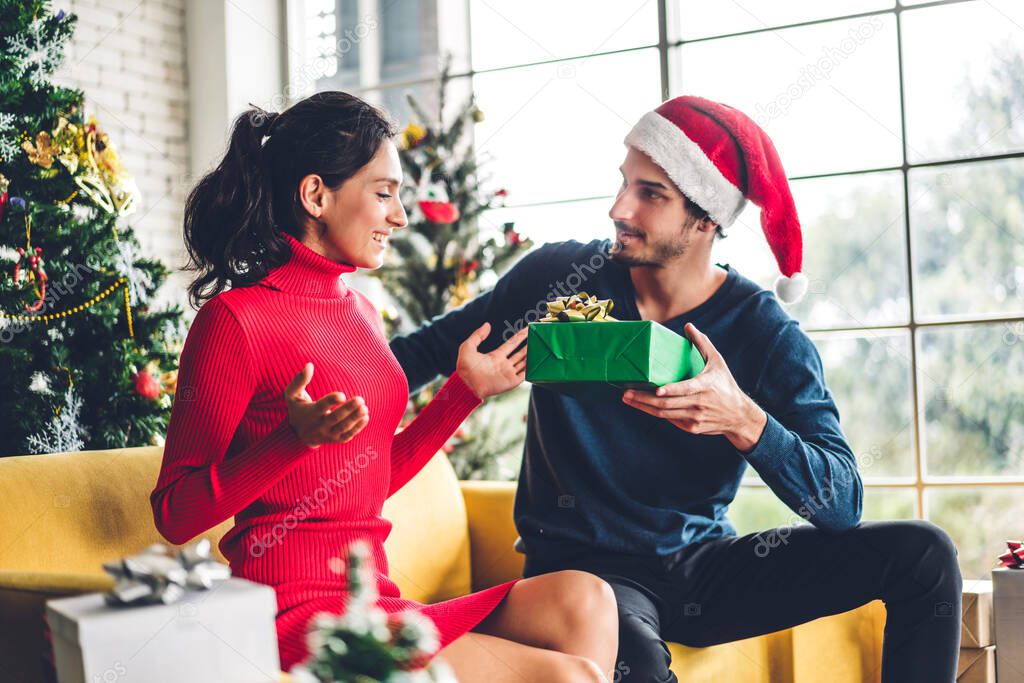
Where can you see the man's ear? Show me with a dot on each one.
(707, 224)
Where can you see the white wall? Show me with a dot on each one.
(235, 56)
(129, 59)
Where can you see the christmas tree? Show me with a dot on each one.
(443, 259)
(85, 361)
(437, 261)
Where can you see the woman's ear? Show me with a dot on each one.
(313, 195)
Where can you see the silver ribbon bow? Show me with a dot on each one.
(159, 575)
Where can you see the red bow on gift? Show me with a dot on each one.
(1015, 558)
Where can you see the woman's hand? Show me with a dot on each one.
(331, 419)
(492, 373)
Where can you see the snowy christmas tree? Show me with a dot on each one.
(367, 645)
(85, 362)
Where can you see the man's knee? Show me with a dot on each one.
(927, 547)
(918, 538)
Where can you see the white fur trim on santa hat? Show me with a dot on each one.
(688, 167)
(791, 289)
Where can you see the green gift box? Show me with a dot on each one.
(601, 359)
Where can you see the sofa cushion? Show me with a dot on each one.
(72, 512)
(765, 659)
(492, 532)
(69, 513)
(428, 549)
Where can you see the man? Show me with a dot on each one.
(636, 490)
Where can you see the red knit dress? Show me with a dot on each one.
(230, 450)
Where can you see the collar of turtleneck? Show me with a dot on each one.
(308, 273)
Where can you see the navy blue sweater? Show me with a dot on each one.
(606, 476)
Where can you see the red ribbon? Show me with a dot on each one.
(1015, 558)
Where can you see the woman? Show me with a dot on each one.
(288, 395)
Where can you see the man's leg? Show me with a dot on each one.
(643, 656)
(736, 588)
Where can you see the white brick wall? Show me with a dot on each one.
(128, 56)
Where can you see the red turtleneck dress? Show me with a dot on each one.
(230, 450)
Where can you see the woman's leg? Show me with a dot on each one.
(570, 611)
(480, 658)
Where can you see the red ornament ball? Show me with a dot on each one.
(442, 213)
(147, 386)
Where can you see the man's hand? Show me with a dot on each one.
(331, 419)
(710, 403)
(501, 370)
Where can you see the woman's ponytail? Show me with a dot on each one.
(229, 214)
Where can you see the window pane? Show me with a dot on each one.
(973, 399)
(828, 94)
(582, 221)
(968, 232)
(756, 508)
(405, 40)
(510, 33)
(426, 94)
(876, 416)
(967, 101)
(889, 503)
(854, 250)
(979, 520)
(555, 131)
(696, 19)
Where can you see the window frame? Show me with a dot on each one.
(921, 482)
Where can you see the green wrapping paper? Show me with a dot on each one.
(598, 360)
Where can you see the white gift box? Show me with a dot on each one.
(1008, 601)
(223, 635)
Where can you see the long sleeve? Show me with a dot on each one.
(200, 483)
(415, 445)
(802, 454)
(433, 349)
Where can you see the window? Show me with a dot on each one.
(901, 126)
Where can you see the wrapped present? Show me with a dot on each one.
(976, 665)
(170, 617)
(1008, 612)
(976, 628)
(580, 350)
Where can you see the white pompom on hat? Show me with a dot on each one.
(719, 158)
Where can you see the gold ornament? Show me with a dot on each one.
(42, 152)
(169, 382)
(93, 162)
(70, 144)
(460, 292)
(412, 135)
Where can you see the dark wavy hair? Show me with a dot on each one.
(235, 215)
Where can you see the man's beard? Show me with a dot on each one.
(658, 253)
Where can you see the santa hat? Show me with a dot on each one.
(719, 158)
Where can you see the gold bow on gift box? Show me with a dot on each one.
(579, 307)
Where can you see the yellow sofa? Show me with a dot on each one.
(63, 515)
